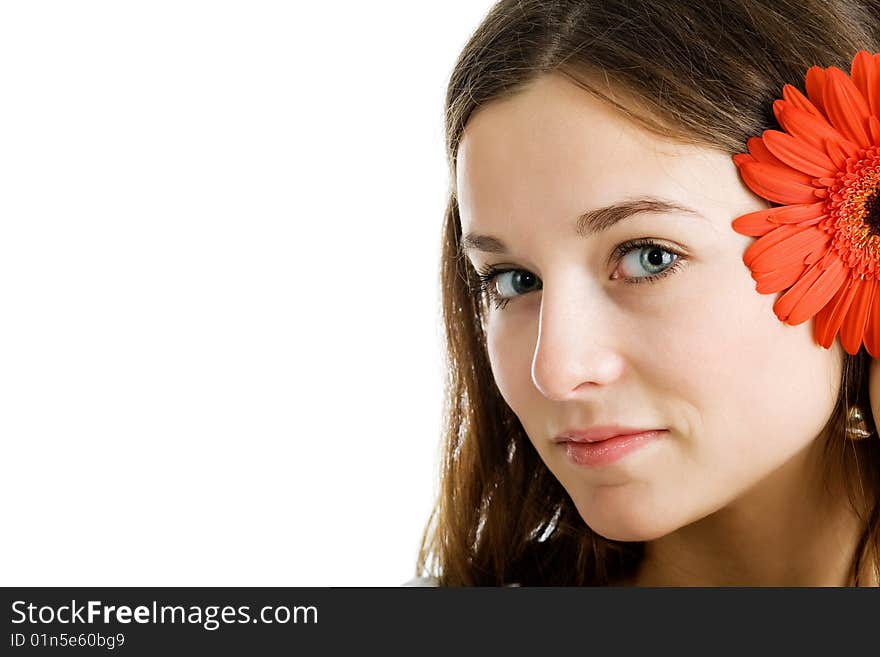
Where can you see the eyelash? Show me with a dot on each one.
(489, 273)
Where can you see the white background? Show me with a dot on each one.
(220, 355)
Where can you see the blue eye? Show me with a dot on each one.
(495, 281)
(649, 256)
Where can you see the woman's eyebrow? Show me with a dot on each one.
(589, 223)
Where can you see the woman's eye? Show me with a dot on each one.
(502, 285)
(645, 261)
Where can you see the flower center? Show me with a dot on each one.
(853, 208)
(872, 212)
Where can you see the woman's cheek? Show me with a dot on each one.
(510, 350)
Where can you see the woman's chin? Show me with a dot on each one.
(619, 532)
(628, 526)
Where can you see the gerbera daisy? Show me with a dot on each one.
(822, 243)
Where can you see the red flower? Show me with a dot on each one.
(822, 244)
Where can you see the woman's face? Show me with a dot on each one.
(583, 339)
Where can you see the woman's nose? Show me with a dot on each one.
(578, 344)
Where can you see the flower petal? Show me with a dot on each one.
(791, 250)
(804, 214)
(799, 154)
(778, 279)
(793, 95)
(836, 153)
(741, 158)
(761, 153)
(852, 331)
(820, 292)
(754, 224)
(769, 240)
(866, 76)
(815, 84)
(872, 330)
(813, 130)
(846, 108)
(874, 129)
(762, 222)
(830, 318)
(786, 303)
(777, 184)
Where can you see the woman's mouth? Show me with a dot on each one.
(610, 450)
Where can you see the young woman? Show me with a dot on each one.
(641, 392)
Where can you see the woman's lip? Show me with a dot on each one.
(605, 452)
(597, 432)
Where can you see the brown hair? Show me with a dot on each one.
(694, 72)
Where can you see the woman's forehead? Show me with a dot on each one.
(554, 149)
(553, 119)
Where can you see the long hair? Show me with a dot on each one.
(693, 72)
